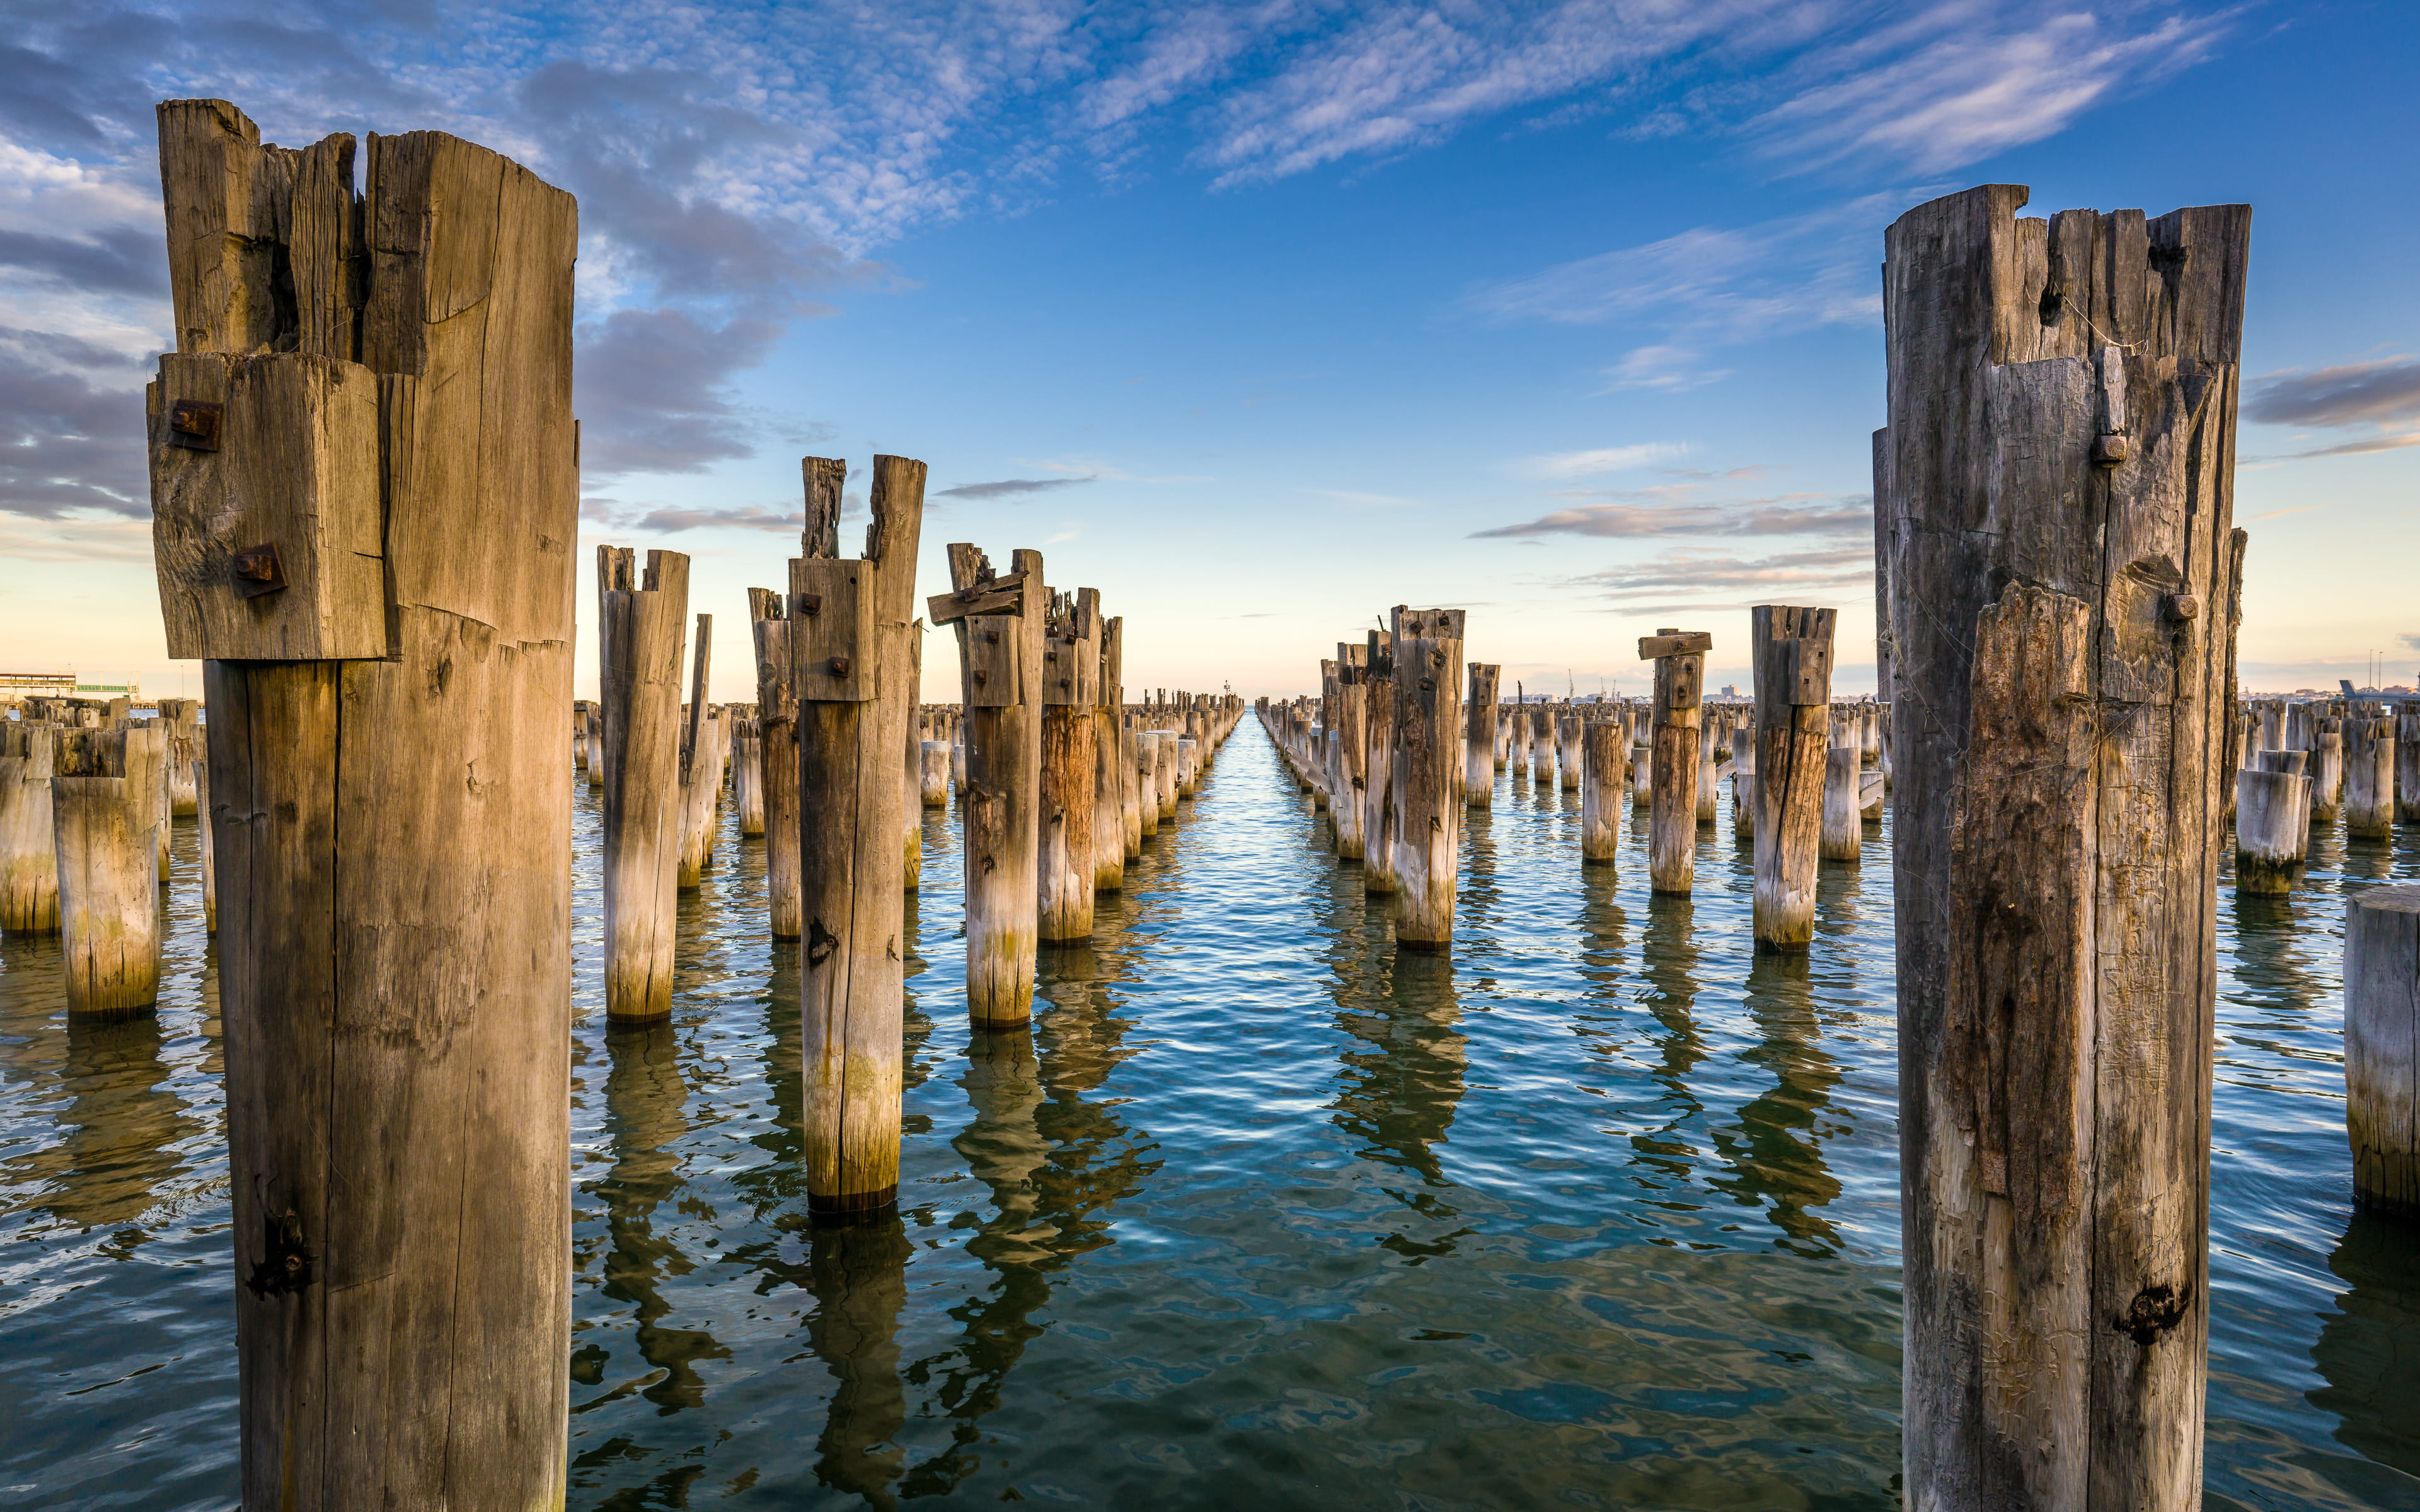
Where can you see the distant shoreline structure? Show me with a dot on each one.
(62, 684)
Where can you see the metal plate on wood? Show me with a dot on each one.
(1062, 657)
(831, 633)
(1807, 672)
(258, 571)
(992, 673)
(195, 423)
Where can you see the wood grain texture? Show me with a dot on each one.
(1427, 774)
(1378, 875)
(1112, 770)
(1672, 810)
(1792, 651)
(1347, 811)
(29, 872)
(2381, 1016)
(1064, 868)
(639, 685)
(2015, 346)
(852, 803)
(104, 831)
(777, 733)
(1604, 756)
(1480, 712)
(1000, 658)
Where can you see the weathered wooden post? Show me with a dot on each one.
(29, 868)
(364, 492)
(1146, 777)
(851, 647)
(700, 780)
(2369, 777)
(2327, 773)
(1112, 763)
(208, 849)
(186, 745)
(777, 737)
(105, 811)
(1427, 774)
(1479, 760)
(2406, 764)
(748, 776)
(2381, 1043)
(1680, 658)
(1348, 812)
(2272, 823)
(1792, 651)
(1001, 626)
(933, 787)
(911, 771)
(1568, 757)
(1516, 730)
(638, 681)
(1071, 663)
(2056, 513)
(1379, 766)
(1603, 794)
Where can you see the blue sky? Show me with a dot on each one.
(1262, 318)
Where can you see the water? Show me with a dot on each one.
(1602, 1214)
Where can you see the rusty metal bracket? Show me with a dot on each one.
(257, 570)
(194, 424)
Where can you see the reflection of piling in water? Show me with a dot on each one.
(1400, 1095)
(2369, 1352)
(1777, 1154)
(1668, 957)
(646, 1107)
(858, 1270)
(113, 1162)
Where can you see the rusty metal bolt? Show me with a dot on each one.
(2182, 607)
(840, 666)
(2110, 450)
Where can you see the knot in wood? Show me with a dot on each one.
(2154, 1310)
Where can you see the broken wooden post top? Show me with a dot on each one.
(1673, 643)
(838, 607)
(1792, 648)
(306, 317)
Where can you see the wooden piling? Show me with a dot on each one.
(852, 645)
(777, 739)
(748, 777)
(2406, 764)
(1680, 658)
(1351, 772)
(2382, 1047)
(1791, 649)
(2369, 777)
(1001, 626)
(1605, 790)
(2056, 517)
(933, 786)
(29, 868)
(1478, 761)
(1071, 661)
(1843, 836)
(1378, 876)
(1427, 774)
(2272, 823)
(375, 566)
(1113, 765)
(105, 814)
(639, 685)
(701, 767)
(208, 848)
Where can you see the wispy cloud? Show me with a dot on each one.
(671, 521)
(1588, 464)
(1012, 487)
(1797, 515)
(1709, 570)
(2381, 394)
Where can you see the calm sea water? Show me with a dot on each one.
(1601, 1213)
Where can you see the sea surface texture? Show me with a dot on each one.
(1600, 1212)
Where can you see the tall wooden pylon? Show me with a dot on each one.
(2054, 497)
(364, 476)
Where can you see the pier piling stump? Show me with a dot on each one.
(2369, 777)
(29, 867)
(2381, 1043)
(852, 649)
(777, 740)
(1379, 766)
(1680, 658)
(1604, 791)
(375, 566)
(2055, 522)
(1001, 626)
(1478, 762)
(1428, 775)
(1071, 661)
(638, 682)
(1112, 766)
(1792, 653)
(2272, 823)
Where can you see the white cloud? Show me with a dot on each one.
(1588, 464)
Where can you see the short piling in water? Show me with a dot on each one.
(2053, 520)
(29, 868)
(2406, 764)
(186, 744)
(776, 741)
(2382, 1047)
(1112, 763)
(911, 771)
(208, 848)
(105, 813)
(639, 685)
(1071, 667)
(852, 648)
(1480, 712)
(700, 765)
(2369, 777)
(1350, 709)
(1605, 755)
(748, 777)
(1792, 653)
(1427, 774)
(2327, 773)
(1843, 836)
(1680, 658)
(933, 785)
(2272, 823)
(1378, 868)
(364, 484)
(1000, 624)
